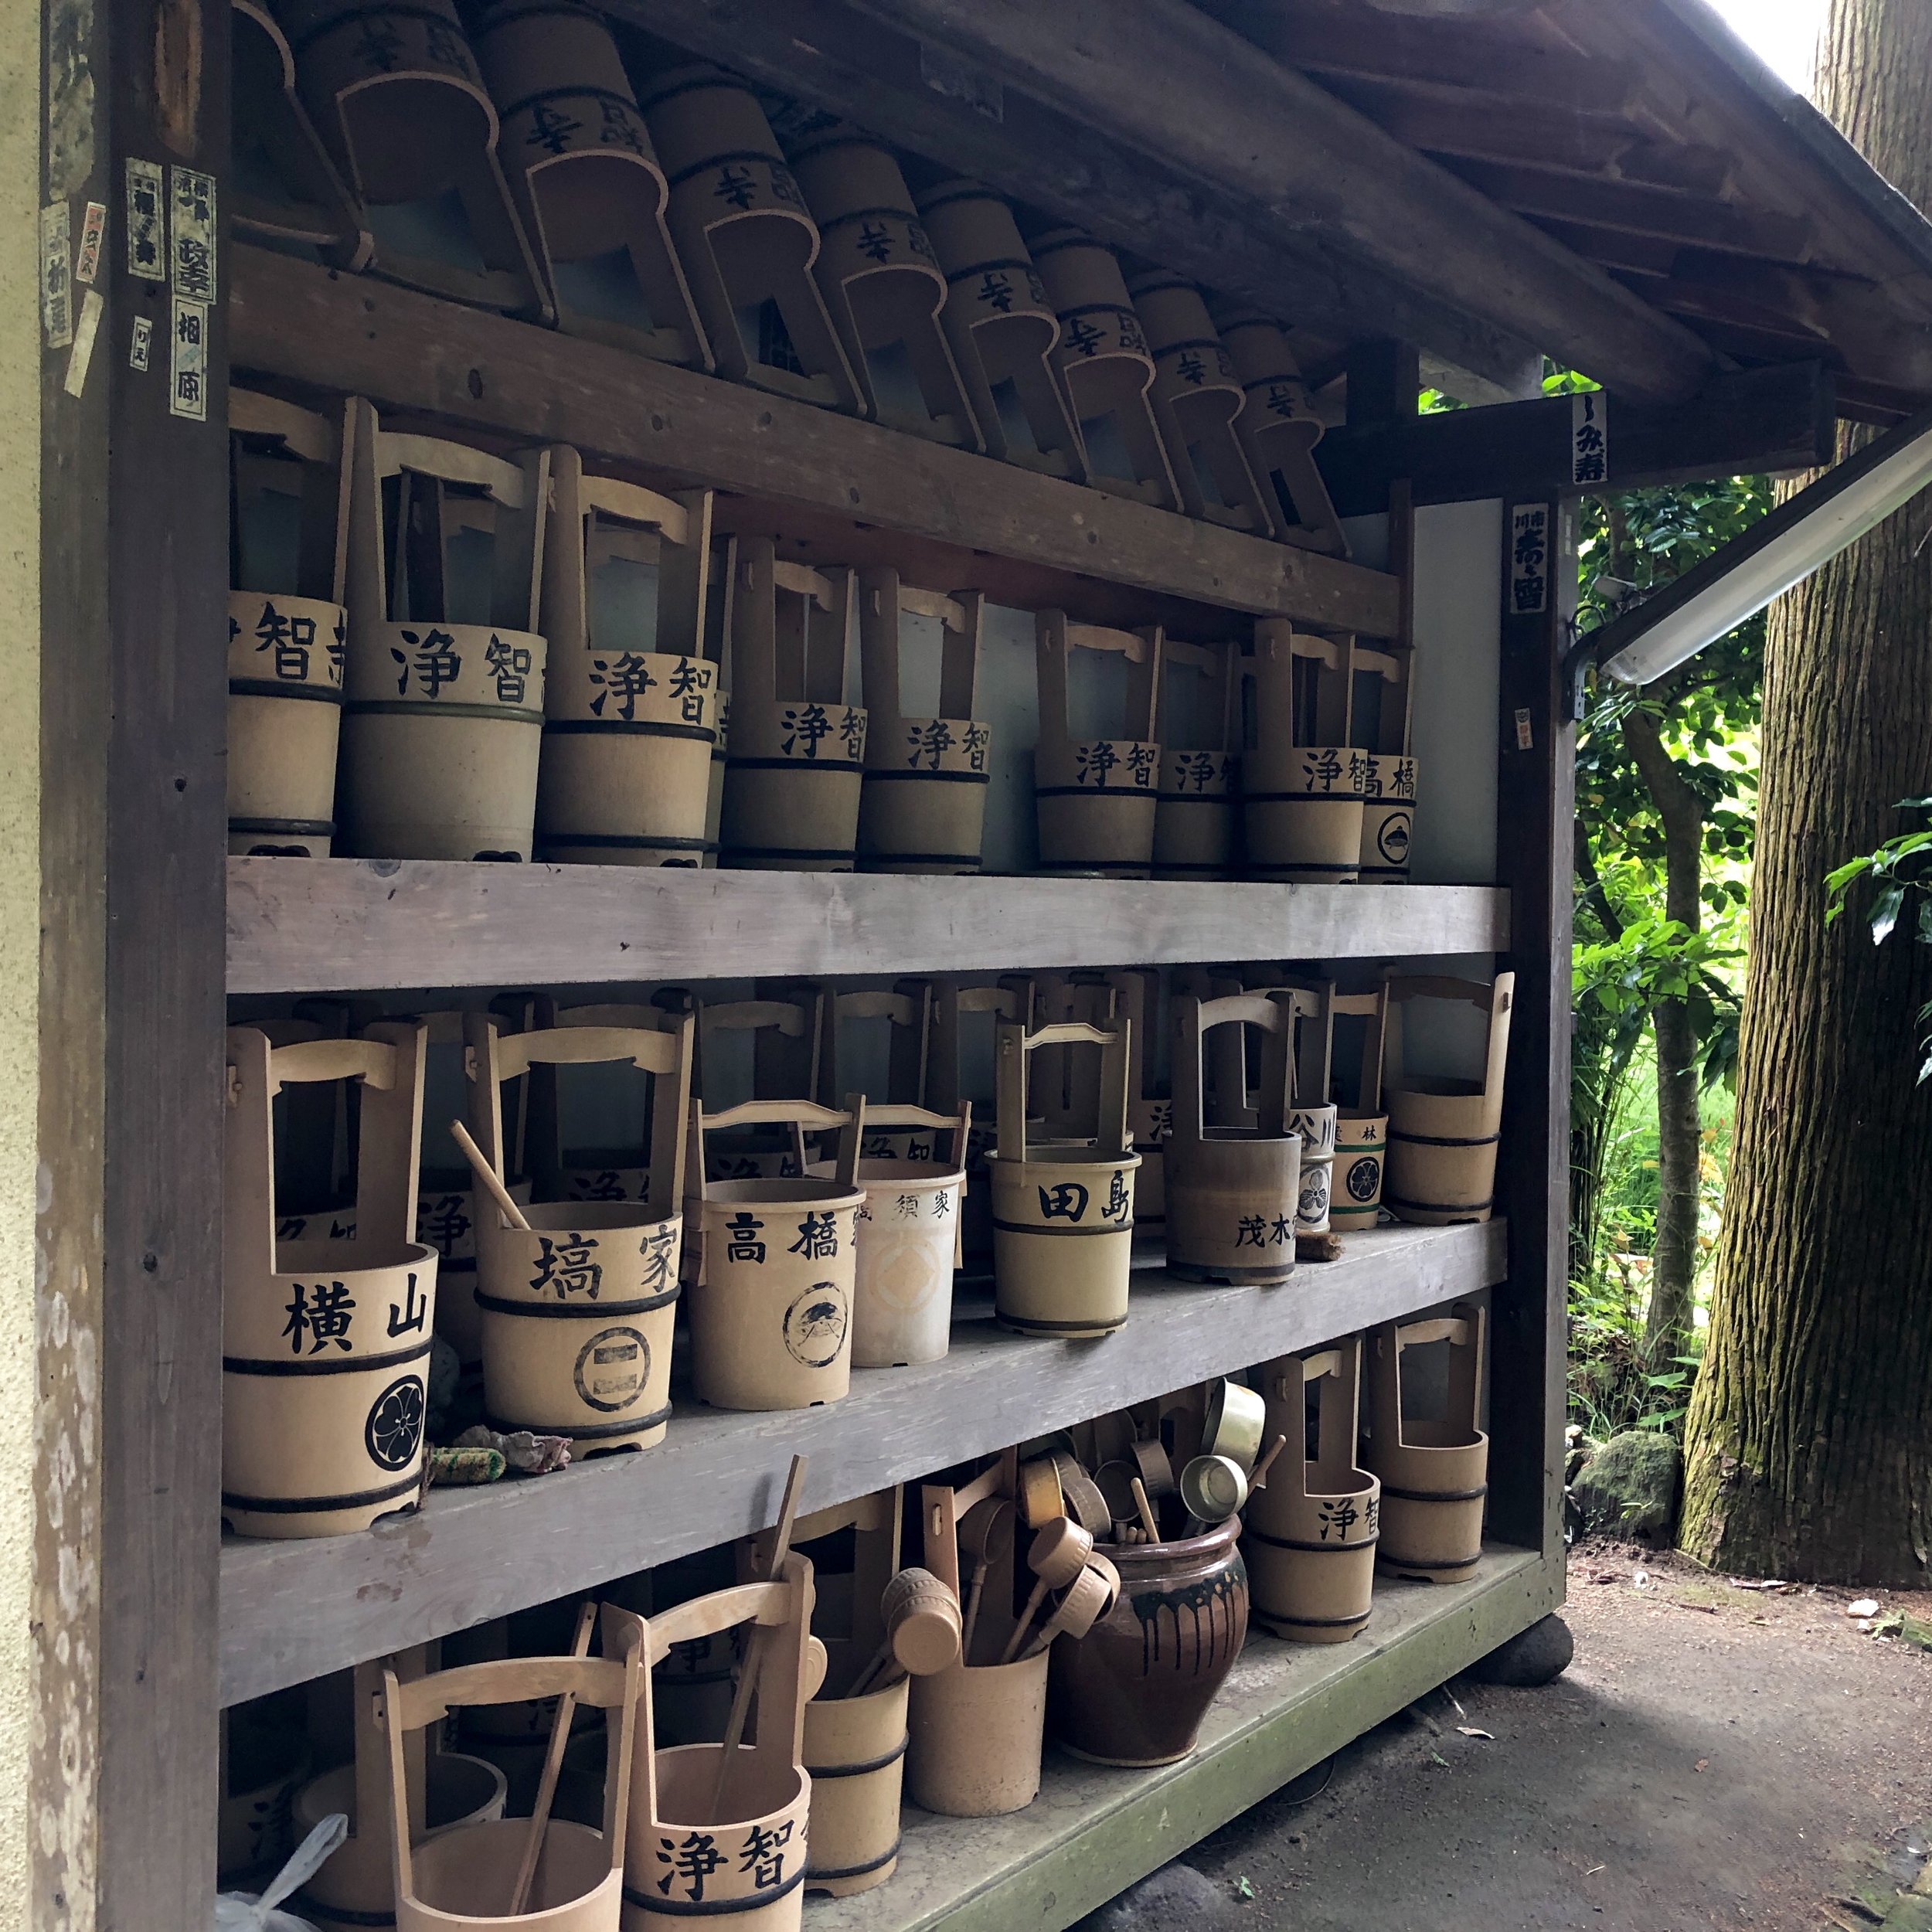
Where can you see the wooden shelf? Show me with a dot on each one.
(343, 925)
(292, 1610)
(1093, 1832)
(833, 488)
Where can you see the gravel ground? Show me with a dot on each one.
(1715, 1756)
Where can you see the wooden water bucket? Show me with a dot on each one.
(1434, 1473)
(1103, 360)
(854, 1747)
(746, 1868)
(922, 808)
(355, 1887)
(326, 1343)
(1096, 800)
(1000, 323)
(1279, 429)
(395, 95)
(1386, 677)
(262, 1762)
(1232, 1193)
(584, 174)
(444, 721)
(285, 652)
(795, 757)
(1301, 781)
(1311, 1532)
(1362, 1131)
(1062, 1211)
(775, 1274)
(790, 1027)
(977, 1730)
(1196, 399)
(462, 1880)
(1196, 820)
(1443, 1132)
(628, 733)
(745, 236)
(313, 208)
(578, 1310)
(1150, 1113)
(908, 1242)
(881, 282)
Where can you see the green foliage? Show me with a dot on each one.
(1654, 959)
(1900, 873)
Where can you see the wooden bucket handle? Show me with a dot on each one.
(1462, 1328)
(802, 1116)
(1055, 638)
(1194, 1020)
(1015, 1044)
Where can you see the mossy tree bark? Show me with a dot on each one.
(1809, 1440)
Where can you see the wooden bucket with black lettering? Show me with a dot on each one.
(1362, 1131)
(285, 652)
(583, 172)
(774, 1269)
(1388, 819)
(1096, 800)
(740, 1862)
(1311, 1532)
(881, 282)
(1062, 1210)
(355, 1887)
(395, 95)
(444, 721)
(1196, 398)
(795, 752)
(1434, 1471)
(1279, 429)
(1002, 327)
(461, 1879)
(577, 1312)
(1104, 360)
(745, 237)
(922, 808)
(1196, 823)
(1301, 783)
(326, 1343)
(1443, 1131)
(1231, 1192)
(628, 732)
(1150, 1113)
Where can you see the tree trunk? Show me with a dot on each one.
(1809, 1440)
(1680, 1139)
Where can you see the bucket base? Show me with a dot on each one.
(289, 1524)
(1070, 870)
(1058, 1331)
(1458, 1571)
(1419, 1215)
(1309, 1630)
(843, 1885)
(1306, 875)
(1129, 1763)
(1230, 1277)
(590, 1442)
(736, 859)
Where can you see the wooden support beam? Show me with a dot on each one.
(1384, 382)
(1768, 419)
(1040, 540)
(1278, 141)
(827, 54)
(134, 540)
(1341, 38)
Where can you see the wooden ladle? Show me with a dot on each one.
(1089, 1597)
(1058, 1553)
(922, 1629)
(986, 1534)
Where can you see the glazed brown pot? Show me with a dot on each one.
(1134, 1689)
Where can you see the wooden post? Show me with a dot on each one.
(134, 542)
(1535, 805)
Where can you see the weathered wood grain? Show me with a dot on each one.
(292, 1610)
(410, 352)
(306, 925)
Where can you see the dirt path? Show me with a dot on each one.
(1715, 1757)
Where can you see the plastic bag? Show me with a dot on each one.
(243, 1912)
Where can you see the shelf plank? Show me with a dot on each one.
(1093, 1832)
(836, 477)
(292, 1610)
(340, 925)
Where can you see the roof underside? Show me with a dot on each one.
(1643, 137)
